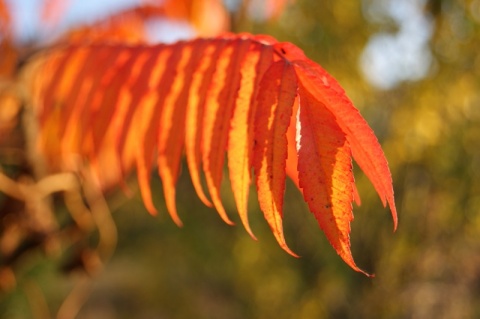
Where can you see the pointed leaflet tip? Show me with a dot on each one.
(145, 190)
(281, 241)
(275, 100)
(356, 195)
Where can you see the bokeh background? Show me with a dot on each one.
(412, 67)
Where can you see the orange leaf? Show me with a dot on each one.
(209, 146)
(63, 77)
(275, 100)
(66, 68)
(240, 143)
(262, 102)
(366, 150)
(149, 107)
(195, 112)
(110, 127)
(325, 172)
(218, 113)
(171, 136)
(87, 78)
(211, 150)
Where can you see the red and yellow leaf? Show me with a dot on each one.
(195, 113)
(275, 100)
(261, 103)
(148, 108)
(218, 108)
(220, 103)
(325, 172)
(172, 122)
(366, 150)
(241, 136)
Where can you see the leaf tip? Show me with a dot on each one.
(246, 225)
(394, 216)
(146, 194)
(220, 209)
(178, 222)
(354, 266)
(171, 207)
(283, 244)
(228, 221)
(152, 211)
(290, 252)
(249, 231)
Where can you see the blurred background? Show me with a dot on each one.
(412, 68)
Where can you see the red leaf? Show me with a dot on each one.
(366, 150)
(325, 172)
(262, 102)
